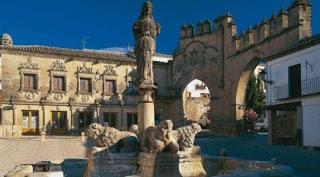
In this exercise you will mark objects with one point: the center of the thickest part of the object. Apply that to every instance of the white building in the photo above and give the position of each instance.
(293, 95)
(197, 88)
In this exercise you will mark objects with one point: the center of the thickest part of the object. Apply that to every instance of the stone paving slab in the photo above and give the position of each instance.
(30, 149)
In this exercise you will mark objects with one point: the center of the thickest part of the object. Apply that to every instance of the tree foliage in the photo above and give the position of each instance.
(255, 98)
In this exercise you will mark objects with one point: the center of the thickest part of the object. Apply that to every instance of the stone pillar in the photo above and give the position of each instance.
(14, 114)
(145, 109)
(145, 32)
(43, 119)
(72, 110)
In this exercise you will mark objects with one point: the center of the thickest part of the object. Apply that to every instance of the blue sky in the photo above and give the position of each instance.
(107, 23)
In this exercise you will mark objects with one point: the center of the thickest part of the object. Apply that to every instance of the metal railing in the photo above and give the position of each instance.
(308, 87)
(311, 86)
(281, 92)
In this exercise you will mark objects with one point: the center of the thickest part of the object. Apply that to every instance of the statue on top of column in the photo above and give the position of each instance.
(145, 32)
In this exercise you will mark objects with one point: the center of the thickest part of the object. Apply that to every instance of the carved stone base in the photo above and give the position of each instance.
(104, 164)
(183, 164)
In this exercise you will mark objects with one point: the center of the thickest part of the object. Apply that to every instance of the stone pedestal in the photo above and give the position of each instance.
(104, 164)
(183, 164)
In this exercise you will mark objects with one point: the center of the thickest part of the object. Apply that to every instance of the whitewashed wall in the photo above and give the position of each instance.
(311, 121)
(277, 70)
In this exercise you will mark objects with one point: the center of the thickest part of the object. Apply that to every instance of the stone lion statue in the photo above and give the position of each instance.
(158, 138)
(185, 136)
(113, 139)
(163, 139)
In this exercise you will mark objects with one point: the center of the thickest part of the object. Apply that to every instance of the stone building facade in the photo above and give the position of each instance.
(63, 90)
(86, 86)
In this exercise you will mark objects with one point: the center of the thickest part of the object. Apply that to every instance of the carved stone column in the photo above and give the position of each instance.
(145, 32)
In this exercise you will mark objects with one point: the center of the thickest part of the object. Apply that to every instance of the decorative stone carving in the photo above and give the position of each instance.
(181, 164)
(98, 80)
(145, 32)
(85, 98)
(132, 75)
(157, 139)
(84, 69)
(185, 136)
(163, 139)
(110, 71)
(29, 96)
(57, 66)
(29, 64)
(112, 139)
(58, 97)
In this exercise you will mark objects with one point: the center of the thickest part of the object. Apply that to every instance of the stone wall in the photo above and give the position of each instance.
(216, 54)
(196, 108)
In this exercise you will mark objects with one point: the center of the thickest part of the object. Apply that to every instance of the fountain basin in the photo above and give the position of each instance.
(233, 167)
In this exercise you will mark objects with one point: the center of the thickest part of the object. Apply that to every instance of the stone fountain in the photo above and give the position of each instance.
(157, 150)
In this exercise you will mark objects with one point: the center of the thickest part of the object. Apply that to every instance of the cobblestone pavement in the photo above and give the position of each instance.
(27, 149)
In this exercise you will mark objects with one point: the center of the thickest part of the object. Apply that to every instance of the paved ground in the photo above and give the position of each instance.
(15, 151)
(306, 163)
(31, 150)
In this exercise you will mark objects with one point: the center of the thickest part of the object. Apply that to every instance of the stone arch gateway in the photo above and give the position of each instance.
(222, 59)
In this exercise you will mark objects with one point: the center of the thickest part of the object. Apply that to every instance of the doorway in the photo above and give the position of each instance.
(295, 81)
(58, 122)
(30, 122)
(84, 120)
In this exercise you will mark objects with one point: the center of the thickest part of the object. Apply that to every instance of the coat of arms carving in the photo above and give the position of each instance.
(57, 66)
(84, 69)
(110, 71)
(29, 64)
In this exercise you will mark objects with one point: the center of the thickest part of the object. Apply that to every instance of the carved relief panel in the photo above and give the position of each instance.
(197, 57)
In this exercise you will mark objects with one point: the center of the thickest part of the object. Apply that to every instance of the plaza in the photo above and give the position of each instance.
(196, 111)
(32, 150)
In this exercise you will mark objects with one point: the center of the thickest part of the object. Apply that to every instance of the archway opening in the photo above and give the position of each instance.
(251, 95)
(196, 103)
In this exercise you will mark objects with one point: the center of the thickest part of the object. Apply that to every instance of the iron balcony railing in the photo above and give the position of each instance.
(311, 86)
(308, 87)
(281, 92)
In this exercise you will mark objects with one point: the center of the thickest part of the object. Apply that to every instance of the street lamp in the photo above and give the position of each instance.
(263, 75)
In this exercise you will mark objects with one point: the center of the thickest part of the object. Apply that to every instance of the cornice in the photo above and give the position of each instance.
(68, 54)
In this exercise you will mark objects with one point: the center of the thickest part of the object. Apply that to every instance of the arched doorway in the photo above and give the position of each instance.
(196, 102)
(251, 87)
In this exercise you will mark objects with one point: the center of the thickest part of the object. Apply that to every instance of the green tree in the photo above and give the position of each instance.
(255, 98)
